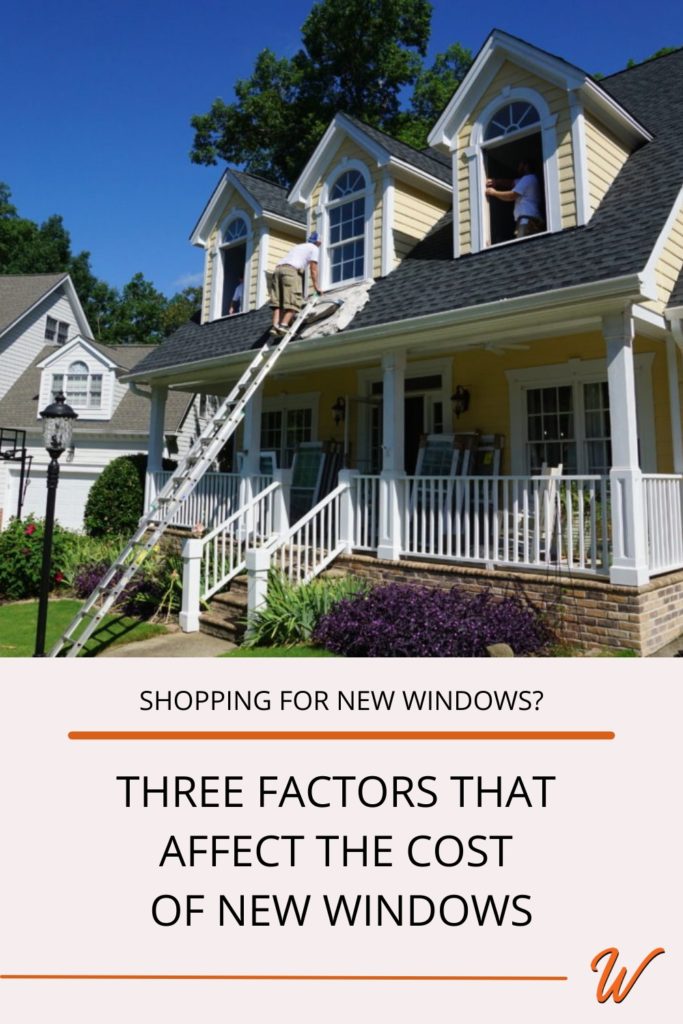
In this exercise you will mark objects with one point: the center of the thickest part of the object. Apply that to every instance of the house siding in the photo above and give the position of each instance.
(415, 214)
(22, 343)
(605, 156)
(668, 266)
(484, 373)
(112, 390)
(513, 77)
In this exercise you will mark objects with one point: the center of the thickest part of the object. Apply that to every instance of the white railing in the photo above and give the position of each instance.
(530, 522)
(224, 548)
(366, 518)
(214, 498)
(306, 548)
(663, 508)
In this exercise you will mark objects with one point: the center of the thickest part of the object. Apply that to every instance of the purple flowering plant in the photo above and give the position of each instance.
(405, 621)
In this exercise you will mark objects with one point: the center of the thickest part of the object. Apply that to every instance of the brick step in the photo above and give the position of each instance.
(222, 627)
(225, 612)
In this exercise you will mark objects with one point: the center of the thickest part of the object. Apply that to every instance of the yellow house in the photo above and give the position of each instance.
(502, 384)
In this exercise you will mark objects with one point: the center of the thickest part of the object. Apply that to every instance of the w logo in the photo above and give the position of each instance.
(615, 989)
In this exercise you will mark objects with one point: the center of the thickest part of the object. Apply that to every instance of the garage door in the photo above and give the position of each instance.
(72, 493)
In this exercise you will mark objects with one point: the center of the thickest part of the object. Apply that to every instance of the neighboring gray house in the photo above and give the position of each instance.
(45, 347)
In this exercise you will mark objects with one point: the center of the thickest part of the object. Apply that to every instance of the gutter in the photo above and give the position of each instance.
(629, 288)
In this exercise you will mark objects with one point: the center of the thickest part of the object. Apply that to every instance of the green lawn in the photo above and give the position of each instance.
(18, 628)
(278, 652)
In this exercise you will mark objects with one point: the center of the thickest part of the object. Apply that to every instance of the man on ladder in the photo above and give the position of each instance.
(287, 284)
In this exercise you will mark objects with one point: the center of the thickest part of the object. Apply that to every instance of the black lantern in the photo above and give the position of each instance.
(339, 410)
(460, 400)
(57, 432)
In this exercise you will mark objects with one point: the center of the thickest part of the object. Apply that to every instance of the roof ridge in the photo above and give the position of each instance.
(636, 67)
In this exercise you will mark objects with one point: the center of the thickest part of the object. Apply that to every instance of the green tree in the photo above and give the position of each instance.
(181, 307)
(357, 56)
(138, 315)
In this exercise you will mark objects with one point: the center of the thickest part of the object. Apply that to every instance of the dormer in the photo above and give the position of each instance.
(371, 198)
(86, 376)
(245, 229)
(520, 104)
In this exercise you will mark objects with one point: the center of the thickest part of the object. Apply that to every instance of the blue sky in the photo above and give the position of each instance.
(98, 100)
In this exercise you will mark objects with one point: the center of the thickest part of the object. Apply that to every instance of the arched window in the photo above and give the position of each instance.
(513, 117)
(82, 389)
(515, 128)
(346, 227)
(233, 260)
(512, 149)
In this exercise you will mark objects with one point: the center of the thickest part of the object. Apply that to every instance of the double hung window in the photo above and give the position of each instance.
(83, 390)
(346, 217)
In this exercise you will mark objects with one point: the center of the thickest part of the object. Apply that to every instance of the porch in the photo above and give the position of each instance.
(539, 535)
(611, 519)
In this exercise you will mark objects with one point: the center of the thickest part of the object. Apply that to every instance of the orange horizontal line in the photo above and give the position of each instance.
(279, 977)
(338, 735)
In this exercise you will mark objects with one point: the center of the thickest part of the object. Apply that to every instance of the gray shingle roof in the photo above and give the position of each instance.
(617, 241)
(20, 292)
(420, 159)
(271, 197)
(19, 407)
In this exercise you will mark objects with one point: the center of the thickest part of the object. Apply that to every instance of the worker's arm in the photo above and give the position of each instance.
(313, 267)
(507, 197)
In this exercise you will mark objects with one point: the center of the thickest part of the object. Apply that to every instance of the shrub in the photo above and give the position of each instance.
(132, 601)
(115, 500)
(403, 621)
(83, 552)
(21, 557)
(292, 611)
(155, 590)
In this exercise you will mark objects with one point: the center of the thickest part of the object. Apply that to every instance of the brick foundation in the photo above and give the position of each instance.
(584, 612)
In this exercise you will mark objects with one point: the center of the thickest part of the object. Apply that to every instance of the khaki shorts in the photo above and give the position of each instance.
(532, 226)
(286, 288)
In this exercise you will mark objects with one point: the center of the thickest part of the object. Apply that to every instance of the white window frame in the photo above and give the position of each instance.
(89, 379)
(477, 172)
(217, 256)
(56, 330)
(576, 373)
(289, 403)
(367, 194)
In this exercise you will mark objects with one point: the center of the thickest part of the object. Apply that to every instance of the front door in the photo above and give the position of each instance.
(414, 428)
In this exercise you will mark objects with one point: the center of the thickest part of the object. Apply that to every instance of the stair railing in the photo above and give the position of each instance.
(305, 549)
(211, 561)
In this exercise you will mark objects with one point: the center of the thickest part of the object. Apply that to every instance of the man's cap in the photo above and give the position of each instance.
(314, 237)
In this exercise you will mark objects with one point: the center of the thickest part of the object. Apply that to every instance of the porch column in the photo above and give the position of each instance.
(629, 544)
(675, 400)
(251, 452)
(155, 450)
(347, 511)
(393, 469)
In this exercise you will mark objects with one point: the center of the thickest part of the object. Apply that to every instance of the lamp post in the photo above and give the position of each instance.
(57, 430)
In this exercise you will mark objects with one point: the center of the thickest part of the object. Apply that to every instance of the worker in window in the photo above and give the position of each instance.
(525, 192)
(287, 283)
(237, 298)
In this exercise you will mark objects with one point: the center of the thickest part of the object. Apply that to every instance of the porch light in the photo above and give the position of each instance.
(460, 399)
(339, 410)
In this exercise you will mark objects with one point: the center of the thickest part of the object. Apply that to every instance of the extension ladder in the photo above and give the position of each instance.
(198, 460)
